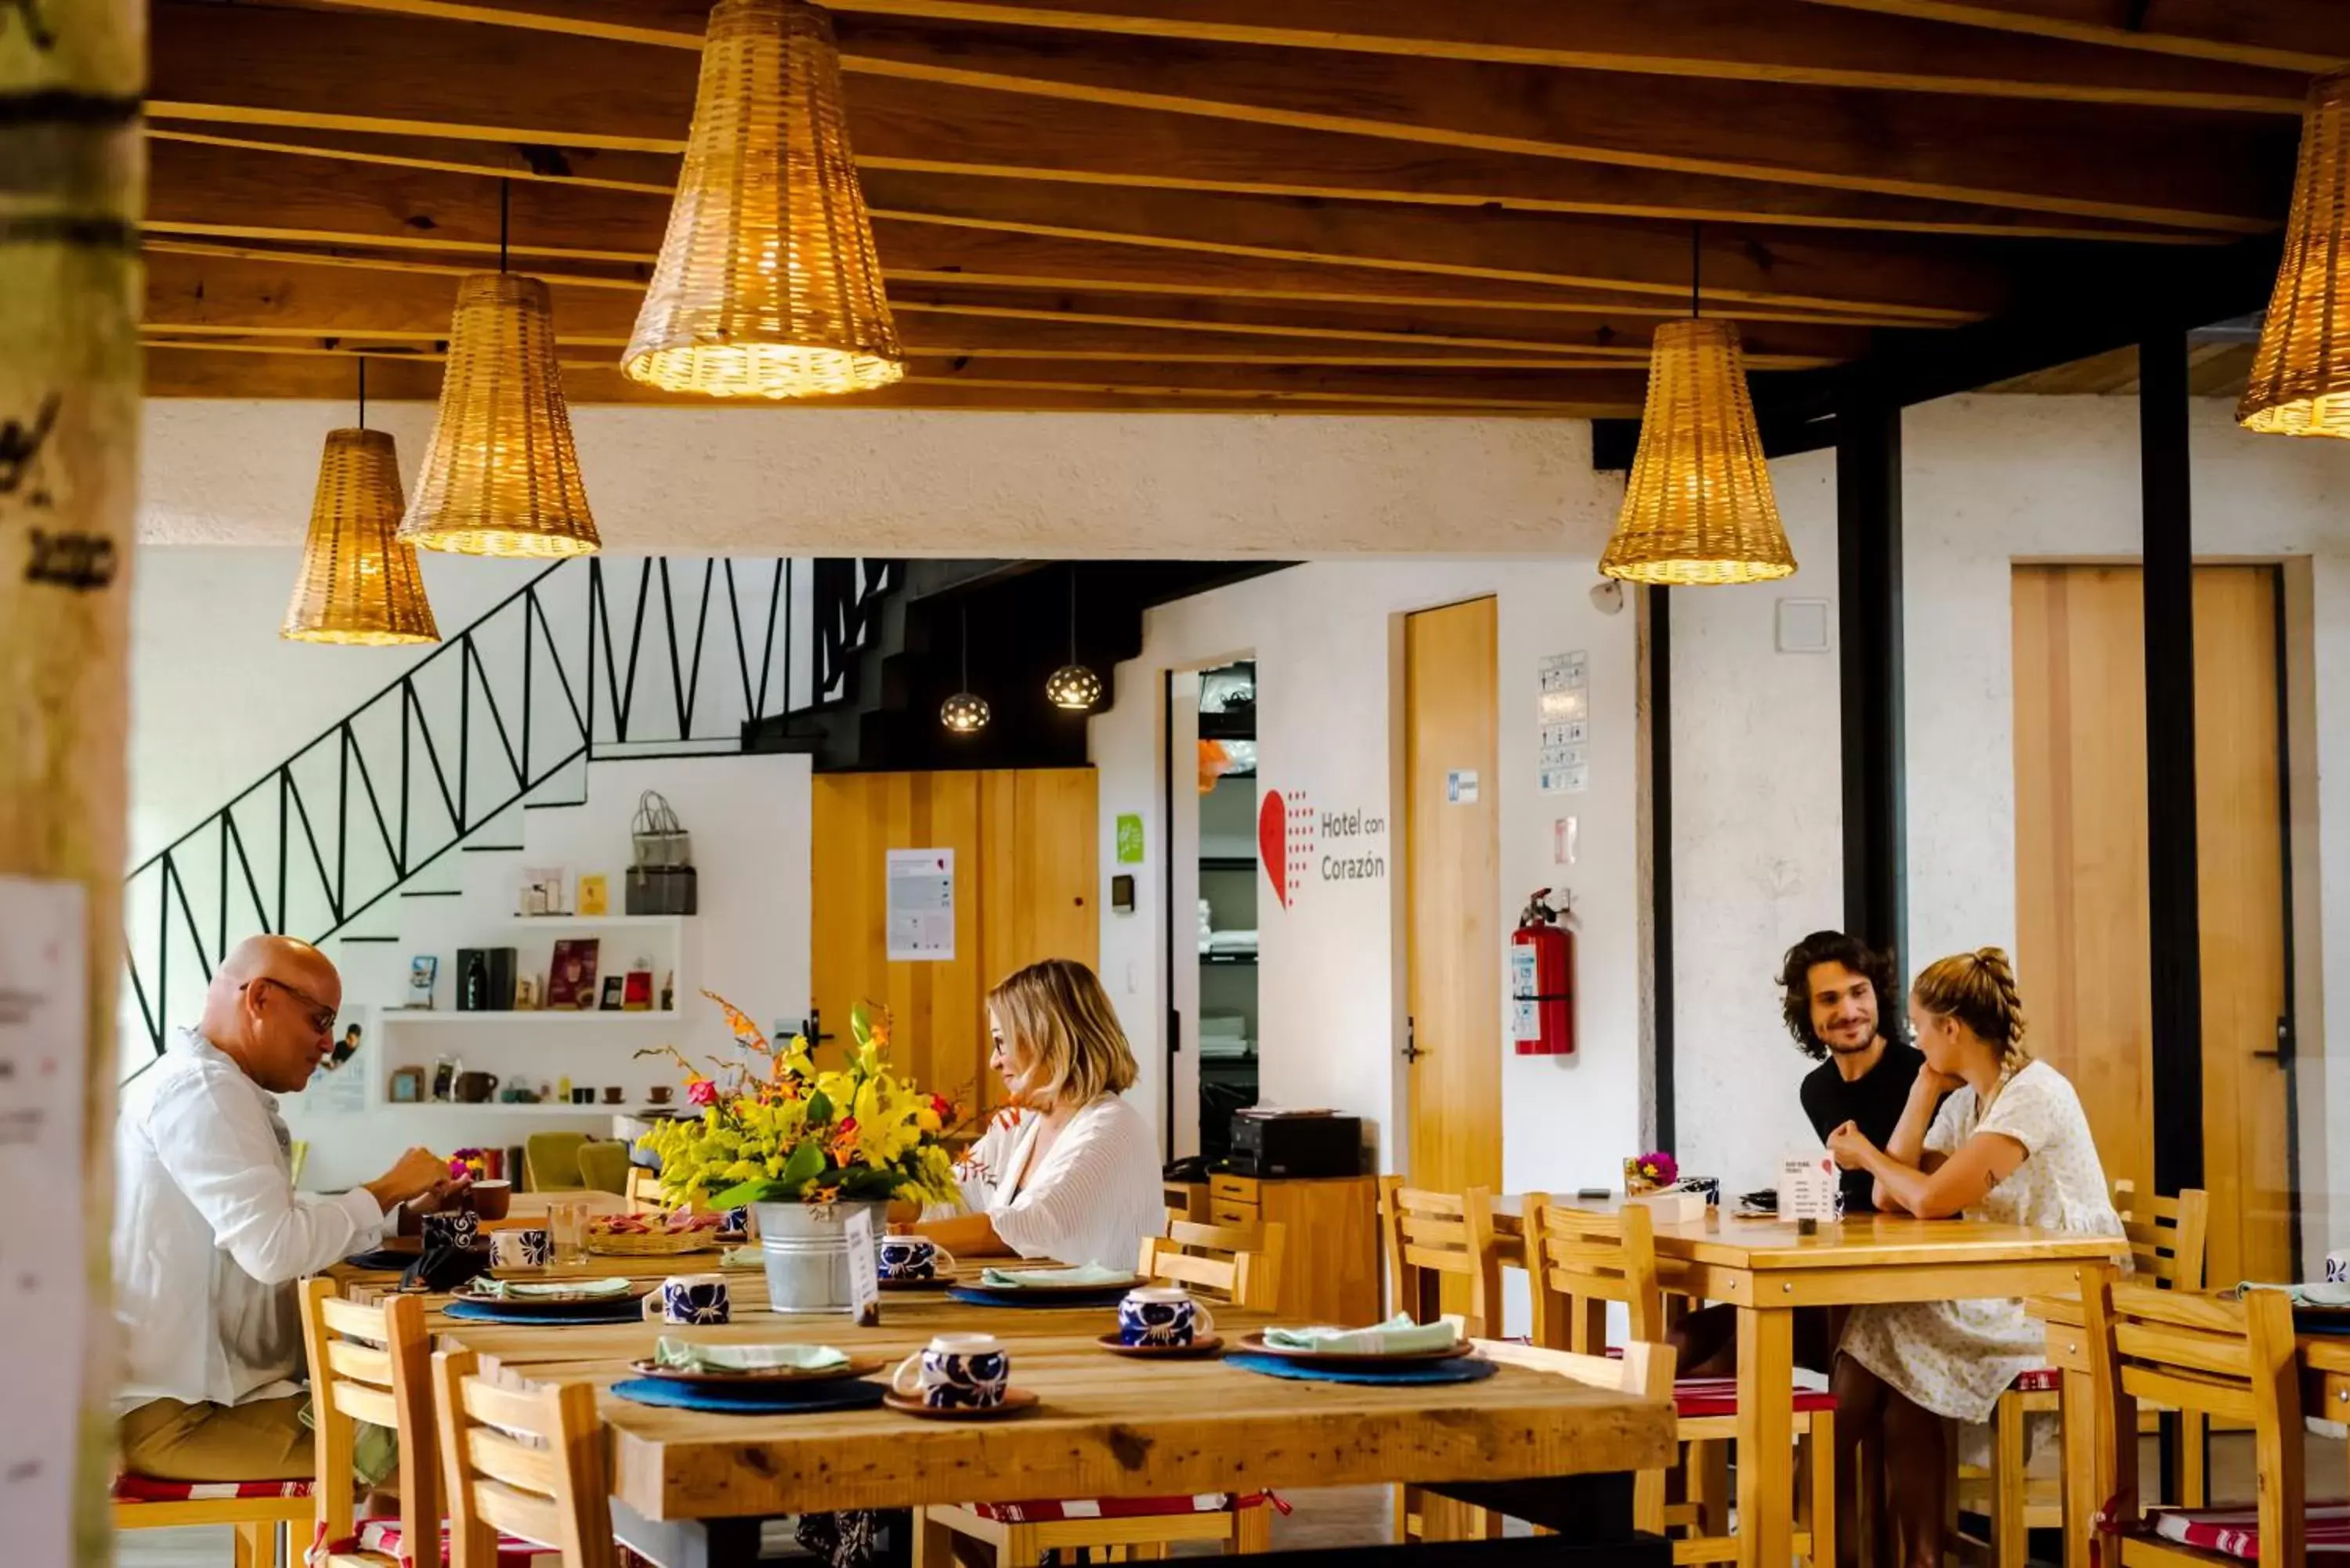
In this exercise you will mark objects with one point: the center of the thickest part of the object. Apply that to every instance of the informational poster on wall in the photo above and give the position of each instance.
(921, 906)
(44, 1295)
(1563, 765)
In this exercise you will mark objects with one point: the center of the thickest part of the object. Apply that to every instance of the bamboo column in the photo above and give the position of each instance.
(72, 187)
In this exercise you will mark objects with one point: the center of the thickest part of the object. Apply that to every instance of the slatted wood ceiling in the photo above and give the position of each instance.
(1476, 206)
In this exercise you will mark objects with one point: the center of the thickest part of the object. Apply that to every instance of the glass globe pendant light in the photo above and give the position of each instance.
(1073, 688)
(965, 712)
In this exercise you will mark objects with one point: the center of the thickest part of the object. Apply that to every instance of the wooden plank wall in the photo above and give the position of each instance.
(1025, 867)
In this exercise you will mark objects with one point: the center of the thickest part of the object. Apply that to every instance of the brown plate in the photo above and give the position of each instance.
(560, 1306)
(1015, 1400)
(1205, 1345)
(855, 1366)
(1254, 1344)
(939, 1282)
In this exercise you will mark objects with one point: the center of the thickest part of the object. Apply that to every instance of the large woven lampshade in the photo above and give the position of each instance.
(501, 477)
(2300, 383)
(1699, 509)
(767, 284)
(359, 584)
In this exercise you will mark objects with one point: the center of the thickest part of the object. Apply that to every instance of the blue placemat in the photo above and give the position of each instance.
(854, 1395)
(2336, 1322)
(973, 1296)
(484, 1311)
(1459, 1369)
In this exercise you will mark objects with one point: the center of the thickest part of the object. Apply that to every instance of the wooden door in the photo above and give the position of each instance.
(1453, 891)
(2081, 860)
(1024, 871)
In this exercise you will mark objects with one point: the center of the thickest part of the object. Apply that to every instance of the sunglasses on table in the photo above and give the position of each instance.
(321, 1016)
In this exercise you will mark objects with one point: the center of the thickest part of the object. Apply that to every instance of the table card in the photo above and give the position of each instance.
(1808, 1187)
(864, 1271)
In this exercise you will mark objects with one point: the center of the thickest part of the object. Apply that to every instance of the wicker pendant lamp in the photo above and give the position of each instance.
(767, 284)
(359, 583)
(1699, 509)
(501, 476)
(2300, 383)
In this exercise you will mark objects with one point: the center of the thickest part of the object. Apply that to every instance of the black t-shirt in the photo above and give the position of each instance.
(1873, 1101)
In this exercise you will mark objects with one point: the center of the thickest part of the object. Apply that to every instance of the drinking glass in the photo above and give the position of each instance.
(566, 1225)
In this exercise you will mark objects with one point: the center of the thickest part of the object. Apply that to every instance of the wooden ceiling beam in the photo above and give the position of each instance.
(2303, 36)
(1730, 40)
(244, 65)
(926, 224)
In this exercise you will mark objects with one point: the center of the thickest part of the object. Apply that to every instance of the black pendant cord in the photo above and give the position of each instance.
(1696, 265)
(966, 647)
(1073, 615)
(505, 205)
(362, 391)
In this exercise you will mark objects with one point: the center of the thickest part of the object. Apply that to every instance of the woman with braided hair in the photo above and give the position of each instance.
(2011, 1146)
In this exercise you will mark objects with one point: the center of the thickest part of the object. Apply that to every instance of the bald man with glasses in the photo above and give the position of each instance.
(210, 1236)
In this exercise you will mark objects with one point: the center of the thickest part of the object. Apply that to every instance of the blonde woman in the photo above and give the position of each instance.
(2010, 1145)
(1076, 1178)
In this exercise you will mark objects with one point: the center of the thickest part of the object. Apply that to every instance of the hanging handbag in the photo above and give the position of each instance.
(661, 881)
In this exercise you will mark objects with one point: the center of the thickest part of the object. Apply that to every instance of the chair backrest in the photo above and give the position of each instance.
(550, 1161)
(2167, 1236)
(370, 1364)
(2233, 1360)
(523, 1459)
(1430, 1235)
(604, 1166)
(1238, 1264)
(1580, 1260)
(1643, 1370)
(645, 1191)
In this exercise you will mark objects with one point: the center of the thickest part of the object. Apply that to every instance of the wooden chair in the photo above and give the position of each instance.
(644, 1192)
(259, 1513)
(1580, 1261)
(1430, 1237)
(2222, 1360)
(521, 1463)
(1643, 1370)
(1241, 1265)
(1236, 1263)
(368, 1364)
(550, 1161)
(604, 1166)
(2167, 1238)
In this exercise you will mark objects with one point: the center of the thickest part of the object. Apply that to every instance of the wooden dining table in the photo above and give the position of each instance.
(1767, 1268)
(691, 1488)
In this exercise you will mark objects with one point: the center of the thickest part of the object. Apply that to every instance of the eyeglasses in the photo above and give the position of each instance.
(322, 1017)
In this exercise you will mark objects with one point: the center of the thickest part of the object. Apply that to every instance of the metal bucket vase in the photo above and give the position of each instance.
(805, 1246)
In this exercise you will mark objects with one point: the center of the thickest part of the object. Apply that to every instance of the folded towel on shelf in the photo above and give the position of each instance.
(682, 1356)
(1084, 1275)
(1399, 1335)
(518, 1290)
(1231, 942)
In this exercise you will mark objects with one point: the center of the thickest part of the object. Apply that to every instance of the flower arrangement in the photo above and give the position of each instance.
(775, 1129)
(1648, 1172)
(472, 1162)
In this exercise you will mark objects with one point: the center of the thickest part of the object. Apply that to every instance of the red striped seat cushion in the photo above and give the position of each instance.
(2235, 1531)
(382, 1537)
(2038, 1380)
(1696, 1397)
(147, 1489)
(1049, 1511)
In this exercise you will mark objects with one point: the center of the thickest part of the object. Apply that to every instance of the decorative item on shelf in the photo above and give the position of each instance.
(767, 284)
(1699, 509)
(638, 995)
(563, 1088)
(474, 1088)
(423, 973)
(965, 712)
(668, 992)
(525, 995)
(1648, 1172)
(445, 1076)
(501, 476)
(806, 1147)
(2299, 383)
(407, 1086)
(613, 991)
(595, 894)
(660, 879)
(347, 1047)
(541, 891)
(474, 981)
(659, 1095)
(1073, 688)
(614, 1095)
(571, 982)
(583, 1096)
(359, 583)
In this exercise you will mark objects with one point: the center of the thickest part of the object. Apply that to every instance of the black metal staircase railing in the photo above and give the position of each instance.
(560, 672)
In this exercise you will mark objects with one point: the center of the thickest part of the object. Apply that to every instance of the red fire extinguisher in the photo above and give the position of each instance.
(1542, 980)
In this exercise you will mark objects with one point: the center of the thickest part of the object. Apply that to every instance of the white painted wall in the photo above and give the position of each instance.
(833, 481)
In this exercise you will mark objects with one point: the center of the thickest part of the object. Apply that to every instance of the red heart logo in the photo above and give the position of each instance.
(1273, 843)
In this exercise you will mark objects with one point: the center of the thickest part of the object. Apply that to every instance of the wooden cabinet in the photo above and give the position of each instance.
(1330, 1251)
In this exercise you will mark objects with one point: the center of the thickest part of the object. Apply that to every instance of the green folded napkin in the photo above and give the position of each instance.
(518, 1290)
(1083, 1274)
(680, 1355)
(2334, 1294)
(1397, 1336)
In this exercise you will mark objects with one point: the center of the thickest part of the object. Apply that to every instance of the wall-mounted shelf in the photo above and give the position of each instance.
(591, 922)
(567, 1019)
(1220, 960)
(1227, 862)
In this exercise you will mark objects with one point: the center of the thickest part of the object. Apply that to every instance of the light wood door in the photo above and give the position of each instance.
(1026, 865)
(1453, 892)
(2080, 877)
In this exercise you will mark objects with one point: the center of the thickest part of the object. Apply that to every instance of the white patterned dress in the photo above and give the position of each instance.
(1955, 1358)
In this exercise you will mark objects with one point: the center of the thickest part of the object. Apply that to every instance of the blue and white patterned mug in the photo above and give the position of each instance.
(524, 1247)
(1162, 1315)
(912, 1258)
(736, 1220)
(2337, 1268)
(693, 1299)
(460, 1227)
(956, 1372)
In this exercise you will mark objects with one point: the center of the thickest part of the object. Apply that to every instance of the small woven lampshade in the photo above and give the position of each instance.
(767, 284)
(2300, 383)
(359, 584)
(1699, 509)
(501, 477)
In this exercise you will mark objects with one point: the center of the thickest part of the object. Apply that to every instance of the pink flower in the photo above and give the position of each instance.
(1660, 1167)
(701, 1092)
